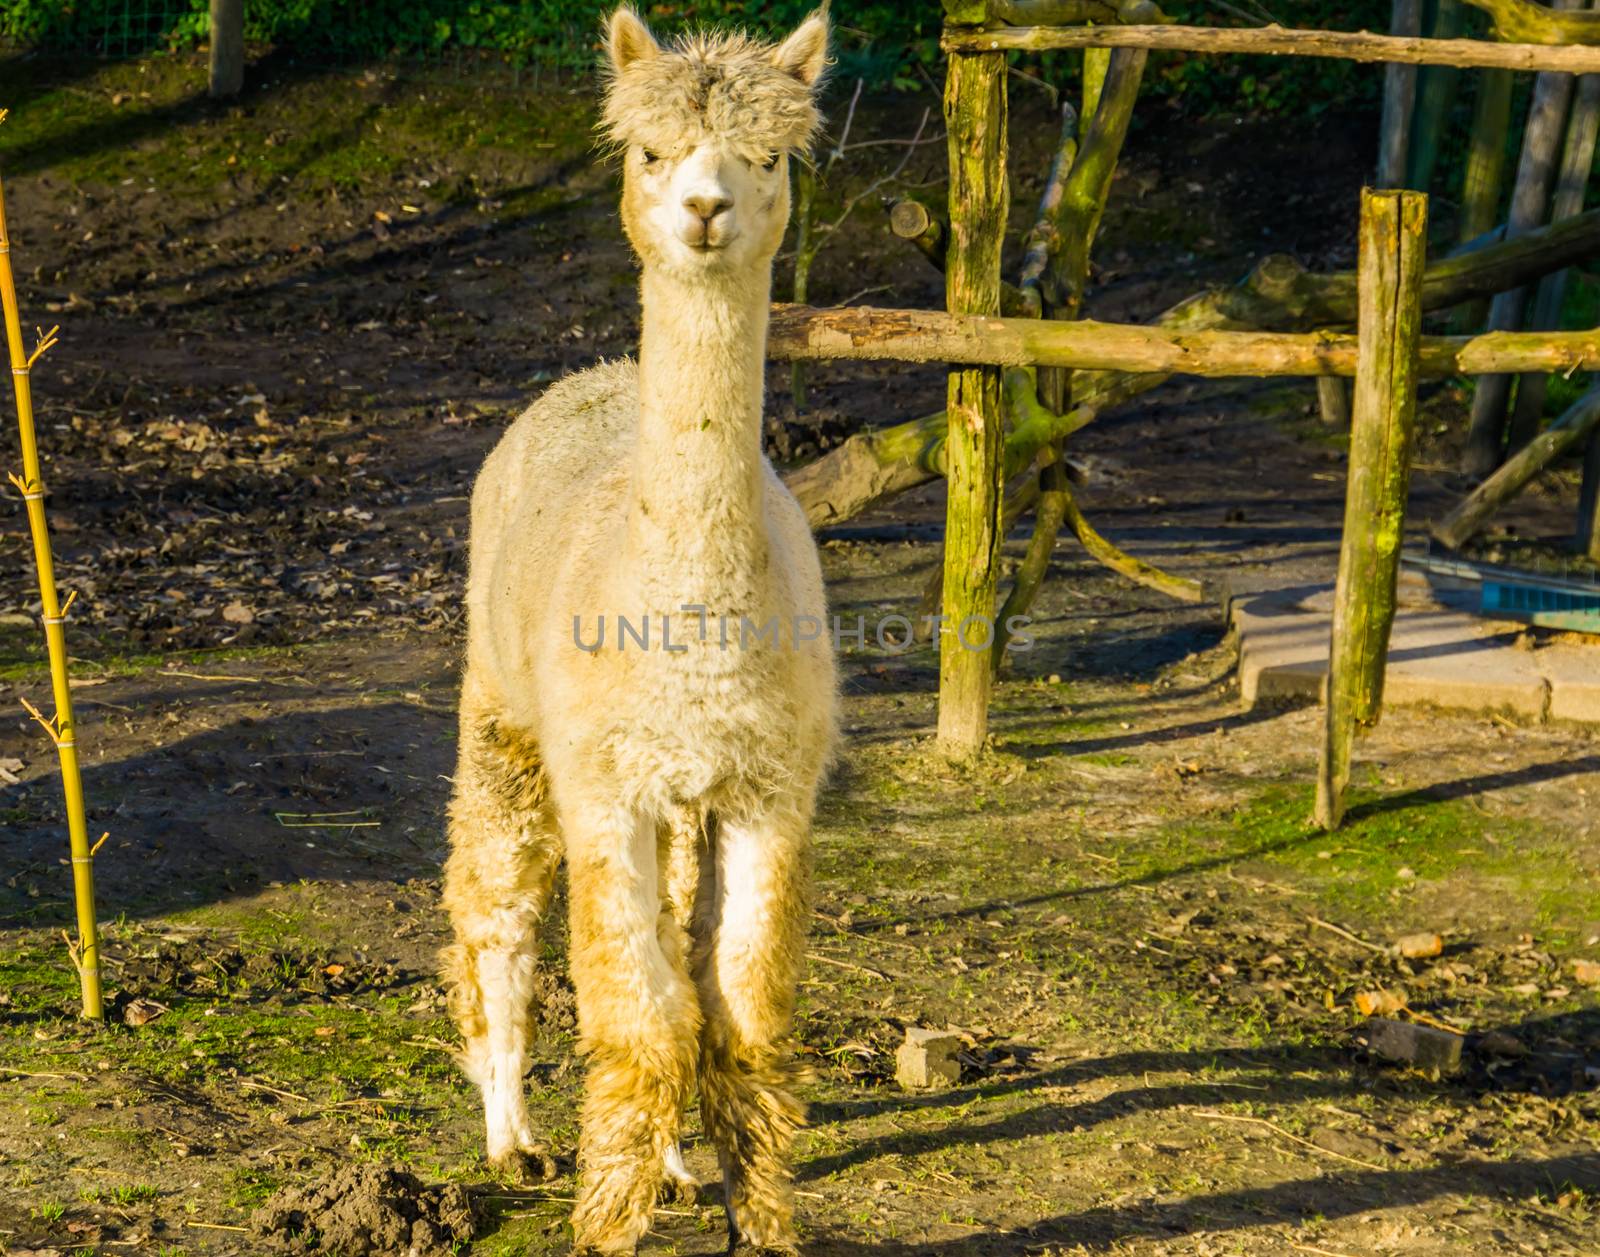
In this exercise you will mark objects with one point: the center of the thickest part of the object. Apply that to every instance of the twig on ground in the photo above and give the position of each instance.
(1344, 933)
(1214, 1116)
(845, 964)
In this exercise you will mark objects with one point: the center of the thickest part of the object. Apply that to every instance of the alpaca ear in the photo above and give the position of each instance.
(805, 53)
(628, 40)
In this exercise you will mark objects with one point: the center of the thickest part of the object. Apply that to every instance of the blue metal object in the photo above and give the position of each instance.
(1550, 603)
(1517, 594)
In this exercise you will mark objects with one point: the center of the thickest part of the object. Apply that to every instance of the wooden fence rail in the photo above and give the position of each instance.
(867, 332)
(1282, 41)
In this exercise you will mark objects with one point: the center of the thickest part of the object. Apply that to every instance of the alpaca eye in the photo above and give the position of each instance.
(650, 158)
(770, 162)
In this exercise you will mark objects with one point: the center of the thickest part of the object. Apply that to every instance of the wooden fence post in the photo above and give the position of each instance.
(1588, 532)
(1394, 227)
(1399, 101)
(1530, 207)
(975, 118)
(227, 47)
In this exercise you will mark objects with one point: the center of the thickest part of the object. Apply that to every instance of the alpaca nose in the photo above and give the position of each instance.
(707, 205)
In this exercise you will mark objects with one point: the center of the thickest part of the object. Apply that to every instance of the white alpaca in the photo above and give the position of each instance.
(679, 779)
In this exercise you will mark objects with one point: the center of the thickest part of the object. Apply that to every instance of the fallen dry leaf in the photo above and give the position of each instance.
(1587, 972)
(1380, 1003)
(1419, 946)
(142, 1011)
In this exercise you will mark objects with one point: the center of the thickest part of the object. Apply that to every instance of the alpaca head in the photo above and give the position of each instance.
(706, 127)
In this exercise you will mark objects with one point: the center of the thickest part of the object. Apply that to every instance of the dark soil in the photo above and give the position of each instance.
(292, 329)
(362, 1209)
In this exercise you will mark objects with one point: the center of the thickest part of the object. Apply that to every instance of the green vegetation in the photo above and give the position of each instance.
(888, 45)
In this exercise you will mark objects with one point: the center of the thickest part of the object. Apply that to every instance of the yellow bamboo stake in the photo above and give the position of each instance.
(61, 727)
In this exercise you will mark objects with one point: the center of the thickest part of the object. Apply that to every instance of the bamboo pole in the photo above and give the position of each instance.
(1577, 161)
(975, 121)
(1399, 100)
(1572, 430)
(870, 333)
(1282, 41)
(1485, 174)
(1393, 243)
(61, 727)
(1530, 204)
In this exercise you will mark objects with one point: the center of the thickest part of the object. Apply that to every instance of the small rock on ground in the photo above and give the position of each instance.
(927, 1058)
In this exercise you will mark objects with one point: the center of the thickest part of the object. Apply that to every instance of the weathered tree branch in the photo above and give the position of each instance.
(925, 227)
(1136, 570)
(1089, 183)
(1566, 433)
(1044, 238)
(882, 462)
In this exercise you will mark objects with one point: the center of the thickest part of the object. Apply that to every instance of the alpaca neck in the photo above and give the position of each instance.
(698, 469)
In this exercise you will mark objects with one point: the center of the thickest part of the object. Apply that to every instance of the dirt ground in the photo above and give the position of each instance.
(291, 330)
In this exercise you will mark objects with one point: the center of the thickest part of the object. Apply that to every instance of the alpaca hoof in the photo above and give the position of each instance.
(528, 1166)
(683, 1192)
(740, 1246)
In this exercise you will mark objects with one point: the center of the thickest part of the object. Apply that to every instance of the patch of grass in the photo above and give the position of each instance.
(331, 131)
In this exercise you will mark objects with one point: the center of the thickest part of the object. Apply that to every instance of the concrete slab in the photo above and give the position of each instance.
(1574, 672)
(1439, 655)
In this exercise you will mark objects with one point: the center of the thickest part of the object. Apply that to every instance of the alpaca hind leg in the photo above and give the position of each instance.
(747, 977)
(639, 1022)
(497, 885)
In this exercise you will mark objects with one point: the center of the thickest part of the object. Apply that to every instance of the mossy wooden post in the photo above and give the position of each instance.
(1437, 86)
(1394, 228)
(975, 118)
(1485, 174)
(1588, 532)
(227, 48)
(1530, 206)
(61, 727)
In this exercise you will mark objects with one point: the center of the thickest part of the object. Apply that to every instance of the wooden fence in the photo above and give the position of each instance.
(1385, 356)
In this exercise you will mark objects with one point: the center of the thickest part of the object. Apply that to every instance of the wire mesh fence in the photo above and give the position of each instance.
(517, 43)
(441, 34)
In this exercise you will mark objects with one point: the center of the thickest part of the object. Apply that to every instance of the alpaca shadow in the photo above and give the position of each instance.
(1280, 1075)
(222, 813)
(1338, 1194)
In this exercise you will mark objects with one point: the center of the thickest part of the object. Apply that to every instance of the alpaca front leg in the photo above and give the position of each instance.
(639, 1022)
(747, 978)
(497, 885)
